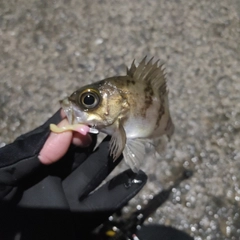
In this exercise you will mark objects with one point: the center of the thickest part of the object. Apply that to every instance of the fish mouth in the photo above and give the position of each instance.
(67, 108)
(75, 115)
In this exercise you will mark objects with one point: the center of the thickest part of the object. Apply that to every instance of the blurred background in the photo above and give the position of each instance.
(48, 49)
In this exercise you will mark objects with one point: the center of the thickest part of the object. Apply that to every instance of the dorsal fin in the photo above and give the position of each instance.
(150, 72)
(132, 69)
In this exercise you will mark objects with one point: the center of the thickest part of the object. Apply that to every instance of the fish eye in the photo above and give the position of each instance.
(89, 99)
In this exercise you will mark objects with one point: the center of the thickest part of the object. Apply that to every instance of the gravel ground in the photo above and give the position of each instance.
(50, 48)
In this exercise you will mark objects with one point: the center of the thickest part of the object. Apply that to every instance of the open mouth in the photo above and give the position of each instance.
(74, 117)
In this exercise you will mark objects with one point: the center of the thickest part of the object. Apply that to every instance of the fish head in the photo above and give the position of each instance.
(98, 105)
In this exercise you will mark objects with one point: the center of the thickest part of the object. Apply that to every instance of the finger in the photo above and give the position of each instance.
(90, 173)
(115, 193)
(79, 139)
(56, 145)
(111, 197)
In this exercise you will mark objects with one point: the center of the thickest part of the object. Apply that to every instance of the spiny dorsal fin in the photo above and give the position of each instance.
(150, 72)
(132, 69)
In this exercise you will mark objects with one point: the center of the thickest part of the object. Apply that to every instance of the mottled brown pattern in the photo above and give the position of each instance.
(169, 124)
(148, 94)
(160, 113)
(119, 81)
(169, 129)
(130, 81)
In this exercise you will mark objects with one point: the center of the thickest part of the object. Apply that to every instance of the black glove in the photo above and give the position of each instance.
(56, 201)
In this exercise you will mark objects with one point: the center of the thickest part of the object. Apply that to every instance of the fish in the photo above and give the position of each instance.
(133, 109)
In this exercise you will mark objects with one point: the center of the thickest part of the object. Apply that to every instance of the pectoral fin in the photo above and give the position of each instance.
(117, 142)
(134, 153)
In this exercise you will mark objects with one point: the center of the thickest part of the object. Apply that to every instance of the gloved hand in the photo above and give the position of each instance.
(56, 201)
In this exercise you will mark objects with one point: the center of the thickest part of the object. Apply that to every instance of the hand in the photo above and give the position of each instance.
(57, 144)
(54, 201)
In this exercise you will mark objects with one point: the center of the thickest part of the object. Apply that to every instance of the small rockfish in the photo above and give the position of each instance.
(133, 109)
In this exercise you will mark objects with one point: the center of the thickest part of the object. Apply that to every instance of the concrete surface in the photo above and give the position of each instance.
(50, 48)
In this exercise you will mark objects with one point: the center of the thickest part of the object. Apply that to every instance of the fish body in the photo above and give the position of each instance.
(133, 109)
